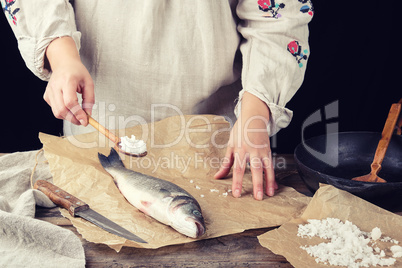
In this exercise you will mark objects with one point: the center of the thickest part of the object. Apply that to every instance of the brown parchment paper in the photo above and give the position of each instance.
(330, 202)
(185, 150)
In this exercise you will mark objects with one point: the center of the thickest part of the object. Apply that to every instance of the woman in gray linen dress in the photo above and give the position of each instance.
(147, 60)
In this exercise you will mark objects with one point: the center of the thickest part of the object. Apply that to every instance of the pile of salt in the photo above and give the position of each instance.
(348, 245)
(132, 145)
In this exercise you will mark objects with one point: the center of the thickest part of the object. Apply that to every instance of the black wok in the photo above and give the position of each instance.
(337, 162)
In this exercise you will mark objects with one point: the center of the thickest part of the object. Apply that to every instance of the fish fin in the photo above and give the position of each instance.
(146, 203)
(145, 207)
(111, 161)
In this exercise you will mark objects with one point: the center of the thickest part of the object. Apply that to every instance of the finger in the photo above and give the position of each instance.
(226, 165)
(71, 102)
(88, 95)
(55, 100)
(256, 167)
(269, 176)
(239, 166)
(46, 97)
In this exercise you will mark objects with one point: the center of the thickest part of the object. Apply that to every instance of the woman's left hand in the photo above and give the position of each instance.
(249, 143)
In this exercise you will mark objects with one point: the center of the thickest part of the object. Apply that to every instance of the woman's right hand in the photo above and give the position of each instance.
(69, 77)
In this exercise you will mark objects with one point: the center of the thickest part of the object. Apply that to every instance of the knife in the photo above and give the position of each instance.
(77, 207)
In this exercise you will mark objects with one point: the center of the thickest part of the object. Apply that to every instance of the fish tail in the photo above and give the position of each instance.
(111, 161)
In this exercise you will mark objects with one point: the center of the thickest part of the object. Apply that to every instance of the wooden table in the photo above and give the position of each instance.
(238, 250)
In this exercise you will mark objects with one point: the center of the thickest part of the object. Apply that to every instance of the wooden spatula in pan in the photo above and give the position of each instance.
(382, 146)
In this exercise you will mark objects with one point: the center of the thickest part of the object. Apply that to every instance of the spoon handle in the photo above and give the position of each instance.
(399, 123)
(103, 130)
(385, 137)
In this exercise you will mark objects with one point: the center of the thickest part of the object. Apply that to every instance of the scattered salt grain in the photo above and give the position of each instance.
(396, 251)
(225, 194)
(348, 245)
(197, 187)
(214, 191)
(382, 253)
(375, 233)
(202, 196)
(191, 181)
(389, 239)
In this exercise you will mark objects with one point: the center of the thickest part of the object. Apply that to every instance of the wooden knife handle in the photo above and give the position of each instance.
(61, 197)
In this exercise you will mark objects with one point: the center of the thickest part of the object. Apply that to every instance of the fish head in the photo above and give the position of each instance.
(186, 216)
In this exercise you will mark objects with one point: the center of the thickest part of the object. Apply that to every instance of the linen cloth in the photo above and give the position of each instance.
(153, 59)
(25, 241)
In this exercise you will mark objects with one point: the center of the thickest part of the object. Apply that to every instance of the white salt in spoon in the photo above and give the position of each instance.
(116, 140)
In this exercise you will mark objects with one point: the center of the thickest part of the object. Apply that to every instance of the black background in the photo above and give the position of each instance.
(354, 59)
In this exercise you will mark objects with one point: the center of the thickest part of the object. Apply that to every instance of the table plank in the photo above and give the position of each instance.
(240, 250)
(234, 250)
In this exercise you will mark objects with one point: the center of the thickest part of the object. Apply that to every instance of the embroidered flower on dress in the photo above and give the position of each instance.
(7, 9)
(309, 9)
(271, 7)
(296, 50)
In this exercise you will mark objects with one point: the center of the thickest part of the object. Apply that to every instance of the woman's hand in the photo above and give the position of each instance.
(69, 77)
(249, 143)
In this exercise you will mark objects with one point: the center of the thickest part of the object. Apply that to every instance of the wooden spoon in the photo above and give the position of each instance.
(112, 137)
(399, 123)
(382, 146)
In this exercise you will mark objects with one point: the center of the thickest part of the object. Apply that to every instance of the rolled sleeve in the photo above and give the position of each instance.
(275, 51)
(37, 23)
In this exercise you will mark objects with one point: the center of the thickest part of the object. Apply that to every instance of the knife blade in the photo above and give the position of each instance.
(77, 207)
